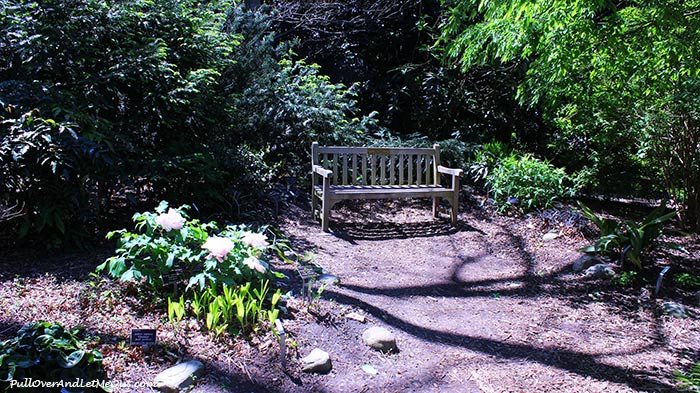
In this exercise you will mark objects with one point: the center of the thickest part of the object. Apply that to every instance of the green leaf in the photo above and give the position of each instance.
(72, 360)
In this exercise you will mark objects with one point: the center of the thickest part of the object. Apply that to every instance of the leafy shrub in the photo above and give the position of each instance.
(48, 352)
(137, 87)
(629, 238)
(216, 268)
(169, 247)
(485, 160)
(41, 166)
(528, 182)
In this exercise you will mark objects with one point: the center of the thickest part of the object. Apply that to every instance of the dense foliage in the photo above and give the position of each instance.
(108, 105)
(386, 49)
(614, 80)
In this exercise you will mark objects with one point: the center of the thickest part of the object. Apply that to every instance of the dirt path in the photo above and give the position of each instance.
(486, 307)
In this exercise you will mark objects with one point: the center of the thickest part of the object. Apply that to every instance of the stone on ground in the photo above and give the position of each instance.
(328, 279)
(600, 270)
(379, 338)
(550, 236)
(674, 309)
(697, 297)
(318, 361)
(355, 317)
(178, 377)
(584, 262)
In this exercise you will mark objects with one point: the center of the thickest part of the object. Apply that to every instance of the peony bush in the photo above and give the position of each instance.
(215, 268)
(172, 253)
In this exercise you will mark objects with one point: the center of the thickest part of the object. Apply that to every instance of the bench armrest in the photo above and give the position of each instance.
(321, 171)
(449, 171)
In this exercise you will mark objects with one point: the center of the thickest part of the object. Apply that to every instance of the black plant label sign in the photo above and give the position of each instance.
(143, 337)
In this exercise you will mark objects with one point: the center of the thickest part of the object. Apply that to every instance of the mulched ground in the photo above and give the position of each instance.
(488, 306)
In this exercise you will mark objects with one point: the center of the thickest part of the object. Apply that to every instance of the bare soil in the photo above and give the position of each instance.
(488, 306)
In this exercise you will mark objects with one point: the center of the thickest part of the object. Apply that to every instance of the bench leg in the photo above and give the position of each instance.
(326, 215)
(436, 201)
(455, 206)
(314, 205)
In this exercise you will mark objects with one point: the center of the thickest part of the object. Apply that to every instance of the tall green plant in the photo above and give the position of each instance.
(630, 240)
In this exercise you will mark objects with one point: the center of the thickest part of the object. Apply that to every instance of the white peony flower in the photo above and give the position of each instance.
(257, 240)
(170, 220)
(218, 247)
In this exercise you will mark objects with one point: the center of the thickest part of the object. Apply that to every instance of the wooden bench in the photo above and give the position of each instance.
(340, 173)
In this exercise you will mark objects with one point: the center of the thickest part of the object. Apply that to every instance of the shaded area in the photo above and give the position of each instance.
(35, 262)
(378, 231)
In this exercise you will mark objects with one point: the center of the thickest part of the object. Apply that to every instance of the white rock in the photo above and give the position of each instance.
(379, 338)
(178, 377)
(369, 369)
(318, 361)
(355, 316)
(550, 236)
(328, 279)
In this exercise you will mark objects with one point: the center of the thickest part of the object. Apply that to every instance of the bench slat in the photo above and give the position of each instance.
(392, 171)
(354, 169)
(364, 169)
(382, 169)
(345, 169)
(335, 168)
(419, 170)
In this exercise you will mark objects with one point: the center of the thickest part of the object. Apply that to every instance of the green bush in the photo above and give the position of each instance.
(532, 182)
(43, 165)
(486, 158)
(48, 352)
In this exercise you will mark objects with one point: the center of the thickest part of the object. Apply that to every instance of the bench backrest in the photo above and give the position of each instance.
(378, 166)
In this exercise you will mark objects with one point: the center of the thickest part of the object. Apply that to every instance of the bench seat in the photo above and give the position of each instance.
(383, 192)
(343, 173)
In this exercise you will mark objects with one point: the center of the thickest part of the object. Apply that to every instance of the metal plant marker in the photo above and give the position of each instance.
(658, 281)
(283, 344)
(308, 276)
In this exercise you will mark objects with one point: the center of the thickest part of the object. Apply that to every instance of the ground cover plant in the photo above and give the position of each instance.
(48, 352)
